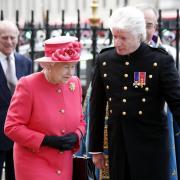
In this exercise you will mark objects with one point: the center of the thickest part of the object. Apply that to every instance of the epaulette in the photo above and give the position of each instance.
(161, 49)
(106, 49)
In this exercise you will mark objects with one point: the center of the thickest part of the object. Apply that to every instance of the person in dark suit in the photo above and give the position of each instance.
(151, 19)
(12, 66)
(135, 80)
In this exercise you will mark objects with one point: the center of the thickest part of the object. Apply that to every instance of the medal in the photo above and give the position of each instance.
(139, 79)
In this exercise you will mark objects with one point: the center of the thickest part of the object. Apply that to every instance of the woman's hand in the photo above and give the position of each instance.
(62, 143)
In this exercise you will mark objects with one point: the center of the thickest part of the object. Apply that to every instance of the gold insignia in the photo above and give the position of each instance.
(72, 86)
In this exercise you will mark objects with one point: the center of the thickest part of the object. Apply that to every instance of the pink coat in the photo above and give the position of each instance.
(39, 108)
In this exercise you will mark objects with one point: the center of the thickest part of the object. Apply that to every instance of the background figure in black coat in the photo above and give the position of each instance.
(151, 19)
(136, 80)
(20, 66)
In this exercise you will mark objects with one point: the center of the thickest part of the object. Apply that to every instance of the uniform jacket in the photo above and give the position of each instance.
(39, 108)
(23, 68)
(135, 87)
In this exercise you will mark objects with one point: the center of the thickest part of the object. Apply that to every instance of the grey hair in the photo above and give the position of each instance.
(6, 24)
(143, 7)
(46, 65)
(130, 19)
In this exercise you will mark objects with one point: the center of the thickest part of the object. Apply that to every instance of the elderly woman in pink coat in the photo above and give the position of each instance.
(45, 118)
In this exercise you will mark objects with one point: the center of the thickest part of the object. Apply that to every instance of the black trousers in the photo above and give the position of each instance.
(7, 157)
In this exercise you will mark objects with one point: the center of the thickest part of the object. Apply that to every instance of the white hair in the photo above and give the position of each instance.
(130, 19)
(6, 24)
(46, 65)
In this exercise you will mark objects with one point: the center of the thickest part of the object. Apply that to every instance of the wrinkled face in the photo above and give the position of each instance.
(125, 42)
(62, 72)
(151, 24)
(8, 40)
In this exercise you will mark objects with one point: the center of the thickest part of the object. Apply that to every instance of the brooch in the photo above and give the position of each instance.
(139, 79)
(72, 86)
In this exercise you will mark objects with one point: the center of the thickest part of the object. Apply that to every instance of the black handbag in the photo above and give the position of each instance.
(83, 167)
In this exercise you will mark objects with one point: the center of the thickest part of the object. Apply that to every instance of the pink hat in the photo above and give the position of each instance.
(61, 49)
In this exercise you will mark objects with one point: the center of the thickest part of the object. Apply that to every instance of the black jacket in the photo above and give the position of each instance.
(137, 124)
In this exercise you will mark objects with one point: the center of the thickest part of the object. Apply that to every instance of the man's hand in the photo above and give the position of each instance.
(99, 160)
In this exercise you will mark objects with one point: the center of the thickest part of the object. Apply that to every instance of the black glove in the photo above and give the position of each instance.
(61, 143)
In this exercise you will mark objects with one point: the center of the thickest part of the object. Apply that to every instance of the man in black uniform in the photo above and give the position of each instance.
(136, 80)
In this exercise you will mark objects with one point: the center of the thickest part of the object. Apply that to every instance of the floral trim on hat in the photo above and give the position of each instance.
(72, 52)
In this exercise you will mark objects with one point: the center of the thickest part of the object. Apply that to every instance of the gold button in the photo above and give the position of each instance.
(110, 111)
(150, 76)
(58, 172)
(140, 112)
(126, 75)
(110, 99)
(104, 63)
(62, 111)
(107, 87)
(124, 101)
(105, 75)
(125, 88)
(124, 113)
(143, 99)
(127, 63)
(155, 64)
(146, 89)
(61, 152)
